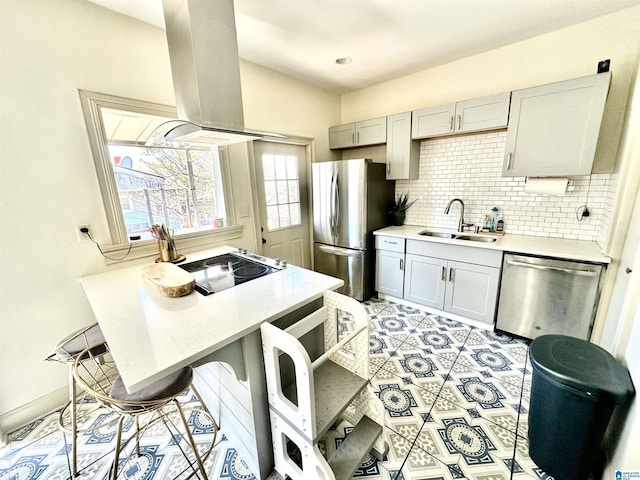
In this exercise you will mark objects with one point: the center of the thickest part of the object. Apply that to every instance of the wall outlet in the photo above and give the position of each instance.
(81, 235)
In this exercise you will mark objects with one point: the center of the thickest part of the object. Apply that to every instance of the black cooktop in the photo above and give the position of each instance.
(224, 271)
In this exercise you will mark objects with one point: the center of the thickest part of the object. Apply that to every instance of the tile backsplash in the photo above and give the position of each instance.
(470, 168)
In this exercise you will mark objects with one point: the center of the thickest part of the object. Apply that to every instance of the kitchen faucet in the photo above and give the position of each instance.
(461, 223)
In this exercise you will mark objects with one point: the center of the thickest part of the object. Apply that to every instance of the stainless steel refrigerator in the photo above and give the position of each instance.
(351, 199)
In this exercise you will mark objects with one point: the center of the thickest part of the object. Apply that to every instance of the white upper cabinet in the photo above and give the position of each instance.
(553, 129)
(342, 136)
(403, 153)
(358, 134)
(433, 121)
(485, 113)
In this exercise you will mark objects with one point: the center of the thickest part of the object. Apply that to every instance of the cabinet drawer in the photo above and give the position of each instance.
(478, 256)
(393, 244)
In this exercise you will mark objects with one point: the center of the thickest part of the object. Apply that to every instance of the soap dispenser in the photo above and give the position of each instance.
(494, 218)
(494, 214)
(500, 224)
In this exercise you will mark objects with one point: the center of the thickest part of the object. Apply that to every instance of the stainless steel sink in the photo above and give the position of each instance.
(475, 238)
(428, 233)
(457, 236)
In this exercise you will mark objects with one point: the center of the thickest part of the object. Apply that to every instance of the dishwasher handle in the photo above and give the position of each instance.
(570, 271)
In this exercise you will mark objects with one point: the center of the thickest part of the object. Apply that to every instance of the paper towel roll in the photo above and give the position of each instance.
(547, 185)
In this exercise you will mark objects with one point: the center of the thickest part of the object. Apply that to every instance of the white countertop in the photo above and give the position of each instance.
(151, 335)
(551, 247)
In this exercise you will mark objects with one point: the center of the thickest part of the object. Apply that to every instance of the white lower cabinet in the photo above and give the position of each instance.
(424, 280)
(457, 279)
(462, 288)
(472, 291)
(390, 272)
(390, 265)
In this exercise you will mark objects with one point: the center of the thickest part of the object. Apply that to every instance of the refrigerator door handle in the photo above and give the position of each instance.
(337, 207)
(342, 252)
(332, 213)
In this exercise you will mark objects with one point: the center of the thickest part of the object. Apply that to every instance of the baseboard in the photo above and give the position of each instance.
(435, 311)
(19, 417)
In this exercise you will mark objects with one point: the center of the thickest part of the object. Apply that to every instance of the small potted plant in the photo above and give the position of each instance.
(399, 208)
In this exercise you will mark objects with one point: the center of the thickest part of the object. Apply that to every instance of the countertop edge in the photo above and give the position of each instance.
(580, 250)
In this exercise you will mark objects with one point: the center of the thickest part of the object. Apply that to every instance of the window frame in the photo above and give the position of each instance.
(91, 103)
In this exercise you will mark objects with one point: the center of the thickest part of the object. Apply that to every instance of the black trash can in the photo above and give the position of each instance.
(575, 388)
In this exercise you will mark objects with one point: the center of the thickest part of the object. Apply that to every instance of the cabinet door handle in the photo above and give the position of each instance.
(357, 138)
(459, 122)
(353, 138)
(509, 161)
(451, 275)
(451, 124)
(444, 274)
(390, 243)
(401, 264)
(388, 168)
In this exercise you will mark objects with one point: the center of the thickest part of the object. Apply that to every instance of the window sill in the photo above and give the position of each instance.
(187, 242)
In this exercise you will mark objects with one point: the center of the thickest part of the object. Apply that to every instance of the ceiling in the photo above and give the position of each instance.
(385, 38)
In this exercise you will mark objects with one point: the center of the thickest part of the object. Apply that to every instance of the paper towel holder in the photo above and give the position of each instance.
(569, 182)
(547, 185)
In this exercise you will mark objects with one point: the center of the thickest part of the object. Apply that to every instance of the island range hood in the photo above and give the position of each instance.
(205, 67)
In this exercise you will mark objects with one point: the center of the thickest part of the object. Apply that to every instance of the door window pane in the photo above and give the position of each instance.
(282, 191)
(273, 222)
(270, 192)
(294, 191)
(292, 166)
(268, 167)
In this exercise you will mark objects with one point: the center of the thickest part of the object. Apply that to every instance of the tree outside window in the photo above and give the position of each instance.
(174, 187)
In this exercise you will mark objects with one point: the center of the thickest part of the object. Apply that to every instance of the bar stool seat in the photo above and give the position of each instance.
(66, 351)
(168, 387)
(70, 346)
(157, 403)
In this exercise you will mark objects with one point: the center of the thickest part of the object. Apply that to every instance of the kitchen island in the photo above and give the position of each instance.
(151, 336)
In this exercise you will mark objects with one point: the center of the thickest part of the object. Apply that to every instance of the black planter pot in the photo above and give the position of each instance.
(397, 218)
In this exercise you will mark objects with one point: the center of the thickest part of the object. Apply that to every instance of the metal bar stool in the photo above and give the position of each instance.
(66, 352)
(157, 403)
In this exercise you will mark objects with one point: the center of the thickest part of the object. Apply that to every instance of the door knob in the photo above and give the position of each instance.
(628, 270)
(264, 240)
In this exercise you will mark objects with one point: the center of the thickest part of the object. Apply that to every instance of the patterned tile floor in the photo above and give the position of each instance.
(456, 401)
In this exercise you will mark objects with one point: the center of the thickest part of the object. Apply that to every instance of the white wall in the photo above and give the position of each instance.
(49, 50)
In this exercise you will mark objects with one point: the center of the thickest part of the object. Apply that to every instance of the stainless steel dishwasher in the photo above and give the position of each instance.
(540, 295)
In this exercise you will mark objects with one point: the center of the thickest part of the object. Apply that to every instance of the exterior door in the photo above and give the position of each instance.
(283, 193)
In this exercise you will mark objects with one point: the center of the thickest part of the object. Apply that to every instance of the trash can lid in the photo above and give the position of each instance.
(581, 365)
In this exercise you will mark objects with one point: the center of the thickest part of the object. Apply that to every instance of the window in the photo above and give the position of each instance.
(174, 187)
(282, 191)
(145, 181)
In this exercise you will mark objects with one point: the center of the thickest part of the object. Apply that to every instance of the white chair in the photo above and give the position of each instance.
(331, 387)
(156, 404)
